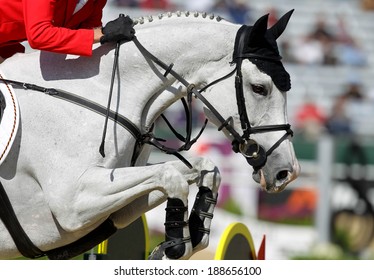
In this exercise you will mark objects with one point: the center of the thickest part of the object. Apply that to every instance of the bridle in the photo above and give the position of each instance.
(254, 153)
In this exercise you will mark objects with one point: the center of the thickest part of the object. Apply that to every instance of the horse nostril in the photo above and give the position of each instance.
(282, 175)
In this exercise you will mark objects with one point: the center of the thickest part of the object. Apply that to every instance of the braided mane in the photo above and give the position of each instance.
(178, 14)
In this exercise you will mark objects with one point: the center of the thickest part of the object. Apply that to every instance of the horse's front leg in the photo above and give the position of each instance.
(202, 211)
(206, 175)
(177, 244)
(102, 193)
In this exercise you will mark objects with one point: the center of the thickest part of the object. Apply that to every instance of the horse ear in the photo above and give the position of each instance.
(278, 28)
(259, 29)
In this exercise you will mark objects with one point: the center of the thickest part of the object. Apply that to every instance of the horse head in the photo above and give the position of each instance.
(258, 125)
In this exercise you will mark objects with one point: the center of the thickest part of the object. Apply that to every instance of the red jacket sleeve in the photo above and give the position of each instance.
(44, 35)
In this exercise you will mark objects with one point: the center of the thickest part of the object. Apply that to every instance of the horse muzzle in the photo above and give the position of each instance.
(275, 181)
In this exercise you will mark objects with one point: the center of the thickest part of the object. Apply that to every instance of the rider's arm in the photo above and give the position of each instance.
(43, 34)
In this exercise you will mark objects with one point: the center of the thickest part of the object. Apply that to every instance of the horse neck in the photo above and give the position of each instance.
(199, 49)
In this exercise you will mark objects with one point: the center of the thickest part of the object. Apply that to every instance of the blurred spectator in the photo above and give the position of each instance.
(237, 11)
(155, 4)
(318, 46)
(349, 51)
(351, 54)
(321, 30)
(310, 120)
(308, 51)
(324, 47)
(273, 16)
(322, 35)
(127, 3)
(341, 118)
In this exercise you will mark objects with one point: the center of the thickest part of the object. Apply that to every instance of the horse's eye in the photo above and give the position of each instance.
(259, 89)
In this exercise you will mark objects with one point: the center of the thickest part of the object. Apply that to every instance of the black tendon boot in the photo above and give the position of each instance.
(174, 245)
(200, 212)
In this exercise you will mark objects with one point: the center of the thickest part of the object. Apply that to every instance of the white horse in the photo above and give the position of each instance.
(63, 192)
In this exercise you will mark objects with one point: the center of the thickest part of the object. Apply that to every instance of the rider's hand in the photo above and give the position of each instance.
(120, 29)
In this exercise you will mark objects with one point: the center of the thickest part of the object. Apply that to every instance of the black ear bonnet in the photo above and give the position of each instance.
(258, 44)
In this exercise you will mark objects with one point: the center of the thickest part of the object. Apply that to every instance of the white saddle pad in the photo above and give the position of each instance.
(10, 120)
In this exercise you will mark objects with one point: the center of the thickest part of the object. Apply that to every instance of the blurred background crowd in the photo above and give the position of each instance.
(328, 49)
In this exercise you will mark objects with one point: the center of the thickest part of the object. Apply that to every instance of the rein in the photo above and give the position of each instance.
(115, 66)
(191, 90)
